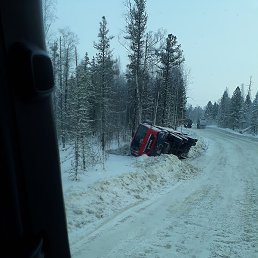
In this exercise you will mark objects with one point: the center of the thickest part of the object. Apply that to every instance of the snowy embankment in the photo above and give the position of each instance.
(125, 182)
(241, 133)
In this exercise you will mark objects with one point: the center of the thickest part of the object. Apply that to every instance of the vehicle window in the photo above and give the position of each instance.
(191, 66)
(139, 136)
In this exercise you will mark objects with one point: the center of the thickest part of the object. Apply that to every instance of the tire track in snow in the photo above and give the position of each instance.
(214, 214)
(238, 234)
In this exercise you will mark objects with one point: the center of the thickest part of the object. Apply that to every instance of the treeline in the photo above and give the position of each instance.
(238, 112)
(96, 102)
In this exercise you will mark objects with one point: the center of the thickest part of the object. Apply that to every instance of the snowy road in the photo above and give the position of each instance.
(212, 215)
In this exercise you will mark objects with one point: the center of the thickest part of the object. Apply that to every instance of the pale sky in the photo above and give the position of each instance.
(219, 37)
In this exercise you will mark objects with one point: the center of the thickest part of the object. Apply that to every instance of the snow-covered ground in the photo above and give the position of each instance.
(204, 206)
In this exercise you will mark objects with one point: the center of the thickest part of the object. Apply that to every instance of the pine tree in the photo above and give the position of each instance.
(66, 64)
(224, 111)
(208, 113)
(104, 81)
(235, 109)
(171, 56)
(136, 21)
(215, 112)
(247, 111)
(254, 116)
(84, 154)
(179, 82)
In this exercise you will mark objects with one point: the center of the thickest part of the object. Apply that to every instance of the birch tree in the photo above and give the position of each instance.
(67, 44)
(48, 11)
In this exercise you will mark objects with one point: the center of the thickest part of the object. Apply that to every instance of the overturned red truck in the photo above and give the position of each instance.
(155, 140)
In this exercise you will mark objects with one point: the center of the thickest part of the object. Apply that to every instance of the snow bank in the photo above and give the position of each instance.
(126, 181)
(200, 147)
(237, 132)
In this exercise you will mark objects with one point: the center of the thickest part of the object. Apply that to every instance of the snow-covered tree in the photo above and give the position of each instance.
(254, 116)
(248, 104)
(84, 154)
(67, 44)
(136, 21)
(103, 82)
(194, 113)
(179, 79)
(48, 11)
(236, 109)
(215, 111)
(150, 69)
(208, 113)
(171, 56)
(246, 112)
(118, 106)
(62, 53)
(224, 110)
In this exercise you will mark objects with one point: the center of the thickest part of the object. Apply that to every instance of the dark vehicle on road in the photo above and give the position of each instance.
(188, 123)
(154, 140)
(201, 124)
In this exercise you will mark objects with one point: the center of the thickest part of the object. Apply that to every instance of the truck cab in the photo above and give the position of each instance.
(201, 124)
(154, 140)
(144, 140)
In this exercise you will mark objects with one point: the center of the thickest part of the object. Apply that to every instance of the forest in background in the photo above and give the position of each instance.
(96, 102)
(237, 112)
